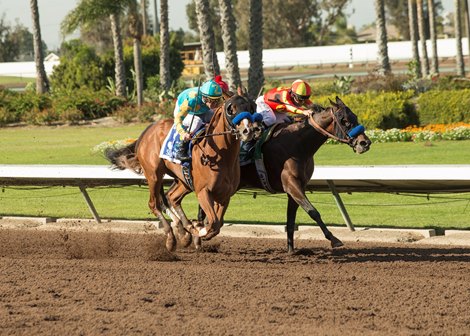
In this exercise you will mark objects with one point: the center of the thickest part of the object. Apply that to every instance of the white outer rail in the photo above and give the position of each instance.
(393, 178)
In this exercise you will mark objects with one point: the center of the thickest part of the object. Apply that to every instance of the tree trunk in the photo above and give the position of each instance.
(227, 21)
(255, 72)
(458, 39)
(206, 35)
(422, 38)
(136, 31)
(467, 25)
(42, 83)
(119, 72)
(414, 37)
(139, 75)
(432, 30)
(381, 39)
(156, 24)
(165, 81)
(143, 5)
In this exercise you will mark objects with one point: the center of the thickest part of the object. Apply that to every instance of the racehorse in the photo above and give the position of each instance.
(215, 168)
(288, 158)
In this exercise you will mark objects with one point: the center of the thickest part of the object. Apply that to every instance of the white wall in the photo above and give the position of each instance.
(366, 52)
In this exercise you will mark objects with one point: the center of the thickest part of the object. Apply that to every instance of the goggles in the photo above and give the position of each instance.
(206, 100)
(301, 98)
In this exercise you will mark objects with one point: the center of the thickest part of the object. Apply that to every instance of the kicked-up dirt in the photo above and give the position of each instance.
(64, 282)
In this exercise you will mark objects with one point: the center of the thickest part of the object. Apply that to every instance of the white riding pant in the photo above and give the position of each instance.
(269, 116)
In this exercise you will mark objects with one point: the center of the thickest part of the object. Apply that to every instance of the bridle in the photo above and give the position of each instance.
(230, 121)
(346, 137)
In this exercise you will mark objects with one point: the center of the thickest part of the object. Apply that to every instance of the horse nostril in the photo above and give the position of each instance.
(364, 143)
(245, 131)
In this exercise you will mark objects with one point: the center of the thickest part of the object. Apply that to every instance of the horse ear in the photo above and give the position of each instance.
(333, 103)
(339, 101)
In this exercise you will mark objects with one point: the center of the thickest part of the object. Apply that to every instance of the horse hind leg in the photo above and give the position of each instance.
(175, 211)
(155, 206)
(315, 215)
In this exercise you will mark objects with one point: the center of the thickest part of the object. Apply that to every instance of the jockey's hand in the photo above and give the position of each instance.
(307, 112)
(187, 136)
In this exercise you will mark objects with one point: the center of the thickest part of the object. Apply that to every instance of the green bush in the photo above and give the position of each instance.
(383, 110)
(79, 67)
(86, 104)
(444, 107)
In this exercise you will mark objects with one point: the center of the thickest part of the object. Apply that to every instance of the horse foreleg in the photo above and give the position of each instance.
(220, 209)
(206, 201)
(299, 197)
(292, 207)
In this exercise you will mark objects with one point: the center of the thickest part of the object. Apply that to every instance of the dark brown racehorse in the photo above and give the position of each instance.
(288, 158)
(215, 168)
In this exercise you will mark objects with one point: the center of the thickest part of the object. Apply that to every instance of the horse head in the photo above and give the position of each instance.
(239, 109)
(340, 123)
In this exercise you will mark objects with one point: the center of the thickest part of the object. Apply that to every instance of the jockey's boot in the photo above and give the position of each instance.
(182, 152)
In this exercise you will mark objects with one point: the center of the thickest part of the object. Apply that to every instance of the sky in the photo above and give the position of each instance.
(52, 12)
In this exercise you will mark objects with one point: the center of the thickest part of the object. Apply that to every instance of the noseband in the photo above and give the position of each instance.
(347, 137)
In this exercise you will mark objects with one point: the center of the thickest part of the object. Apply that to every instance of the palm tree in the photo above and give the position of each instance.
(227, 21)
(136, 32)
(467, 23)
(206, 35)
(164, 47)
(143, 5)
(90, 12)
(156, 24)
(458, 39)
(255, 72)
(412, 21)
(432, 30)
(422, 38)
(42, 83)
(382, 37)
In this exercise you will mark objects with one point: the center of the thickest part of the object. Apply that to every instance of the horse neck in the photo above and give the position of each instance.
(309, 138)
(219, 124)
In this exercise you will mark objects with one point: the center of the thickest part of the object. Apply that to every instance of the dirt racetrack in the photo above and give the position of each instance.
(86, 282)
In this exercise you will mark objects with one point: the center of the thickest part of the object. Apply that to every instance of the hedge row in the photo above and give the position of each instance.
(32, 108)
(388, 110)
(384, 110)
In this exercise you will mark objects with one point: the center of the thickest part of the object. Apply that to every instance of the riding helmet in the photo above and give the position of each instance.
(301, 89)
(211, 89)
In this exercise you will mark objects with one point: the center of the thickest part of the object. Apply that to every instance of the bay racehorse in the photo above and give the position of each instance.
(288, 159)
(215, 168)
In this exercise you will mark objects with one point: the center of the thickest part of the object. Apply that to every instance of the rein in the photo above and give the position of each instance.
(323, 131)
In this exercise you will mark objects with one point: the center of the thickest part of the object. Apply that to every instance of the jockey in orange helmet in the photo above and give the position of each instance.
(281, 104)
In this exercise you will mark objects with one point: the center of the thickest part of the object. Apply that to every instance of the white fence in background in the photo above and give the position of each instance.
(348, 53)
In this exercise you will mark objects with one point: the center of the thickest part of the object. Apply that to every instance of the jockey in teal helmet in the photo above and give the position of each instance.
(193, 110)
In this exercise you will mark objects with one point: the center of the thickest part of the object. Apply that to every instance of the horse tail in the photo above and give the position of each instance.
(124, 158)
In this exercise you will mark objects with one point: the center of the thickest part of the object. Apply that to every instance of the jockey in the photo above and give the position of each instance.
(282, 104)
(194, 110)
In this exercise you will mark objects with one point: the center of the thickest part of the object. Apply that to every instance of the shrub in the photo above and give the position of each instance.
(444, 107)
(379, 83)
(380, 110)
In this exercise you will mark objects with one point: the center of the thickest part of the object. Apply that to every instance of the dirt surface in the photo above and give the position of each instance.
(78, 280)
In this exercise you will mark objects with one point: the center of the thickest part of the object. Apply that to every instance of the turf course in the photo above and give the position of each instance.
(72, 145)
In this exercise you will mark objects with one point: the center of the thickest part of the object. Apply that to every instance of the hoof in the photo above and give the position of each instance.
(335, 242)
(197, 243)
(211, 235)
(186, 240)
(170, 242)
